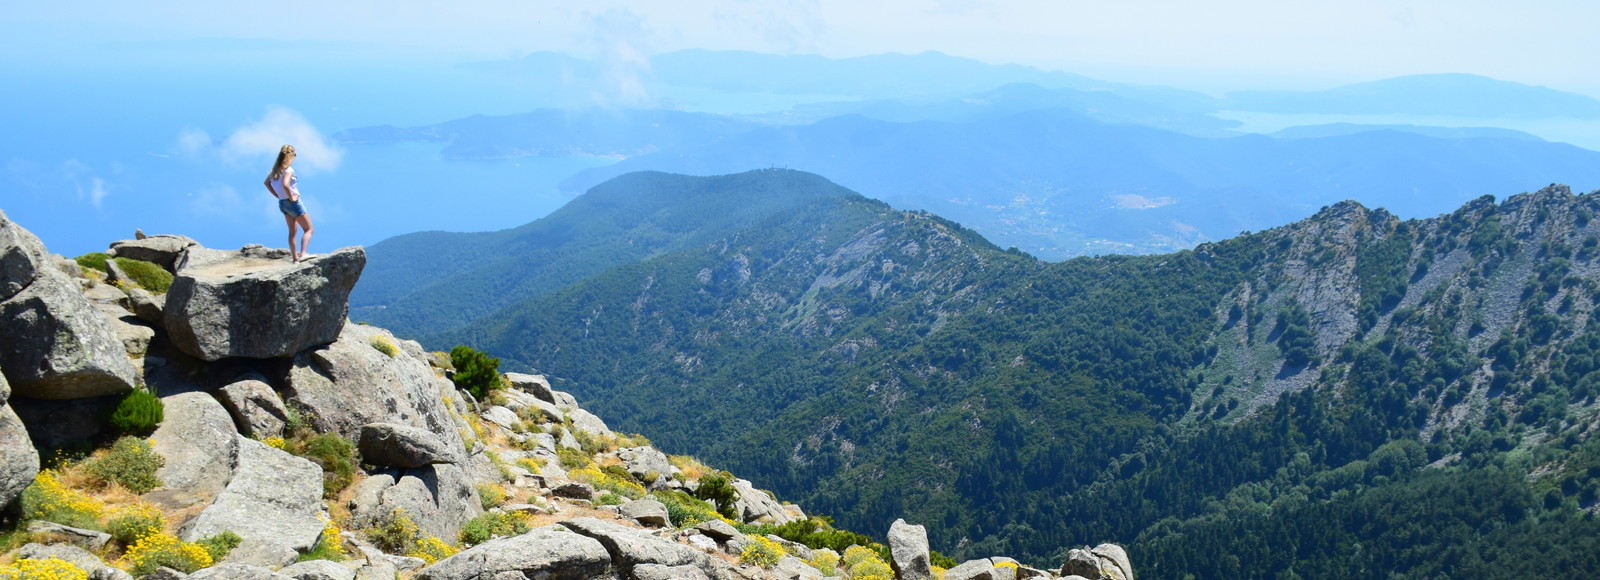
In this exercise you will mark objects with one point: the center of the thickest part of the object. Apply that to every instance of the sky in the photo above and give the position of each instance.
(1209, 46)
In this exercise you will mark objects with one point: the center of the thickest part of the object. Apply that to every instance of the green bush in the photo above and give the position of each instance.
(573, 458)
(335, 454)
(608, 498)
(718, 489)
(132, 463)
(133, 523)
(394, 533)
(219, 545)
(476, 372)
(147, 275)
(138, 413)
(384, 345)
(95, 260)
(491, 525)
(683, 509)
(491, 495)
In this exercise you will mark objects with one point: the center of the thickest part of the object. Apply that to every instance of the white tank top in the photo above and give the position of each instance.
(283, 192)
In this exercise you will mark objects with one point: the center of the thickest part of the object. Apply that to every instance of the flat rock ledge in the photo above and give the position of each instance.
(253, 303)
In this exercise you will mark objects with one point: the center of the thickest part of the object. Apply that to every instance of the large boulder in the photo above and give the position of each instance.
(198, 441)
(586, 422)
(319, 570)
(22, 255)
(403, 446)
(908, 548)
(550, 552)
(642, 461)
(162, 249)
(273, 502)
(439, 498)
(980, 569)
(236, 571)
(631, 547)
(647, 512)
(57, 345)
(755, 506)
(348, 384)
(248, 304)
(257, 410)
(535, 385)
(19, 463)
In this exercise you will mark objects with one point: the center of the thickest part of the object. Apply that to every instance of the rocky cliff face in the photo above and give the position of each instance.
(259, 374)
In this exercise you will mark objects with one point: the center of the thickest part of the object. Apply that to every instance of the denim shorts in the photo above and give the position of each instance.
(291, 208)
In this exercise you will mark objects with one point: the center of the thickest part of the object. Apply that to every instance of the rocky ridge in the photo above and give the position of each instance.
(252, 357)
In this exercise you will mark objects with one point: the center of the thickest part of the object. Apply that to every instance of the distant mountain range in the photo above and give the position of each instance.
(1261, 405)
(1449, 95)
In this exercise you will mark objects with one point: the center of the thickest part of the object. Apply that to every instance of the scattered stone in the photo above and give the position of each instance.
(756, 506)
(574, 490)
(318, 570)
(272, 503)
(550, 552)
(643, 461)
(19, 462)
(792, 568)
(1081, 562)
(242, 304)
(235, 571)
(162, 249)
(148, 307)
(109, 573)
(648, 512)
(703, 542)
(198, 441)
(439, 498)
(1114, 561)
(257, 410)
(403, 446)
(659, 572)
(718, 530)
(980, 569)
(586, 422)
(501, 416)
(908, 546)
(164, 573)
(631, 547)
(86, 539)
(535, 385)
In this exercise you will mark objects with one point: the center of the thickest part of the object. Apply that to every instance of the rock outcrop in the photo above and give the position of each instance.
(56, 344)
(257, 410)
(552, 552)
(403, 446)
(254, 303)
(199, 443)
(19, 463)
(272, 502)
(161, 249)
(908, 548)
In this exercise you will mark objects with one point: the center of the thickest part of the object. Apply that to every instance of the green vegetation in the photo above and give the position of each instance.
(147, 275)
(718, 489)
(334, 454)
(476, 372)
(218, 546)
(133, 523)
(492, 525)
(131, 463)
(683, 509)
(139, 412)
(384, 345)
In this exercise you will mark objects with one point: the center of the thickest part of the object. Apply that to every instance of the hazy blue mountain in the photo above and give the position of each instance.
(432, 281)
(1339, 129)
(1258, 406)
(561, 133)
(1455, 95)
(1057, 184)
(1100, 105)
(885, 76)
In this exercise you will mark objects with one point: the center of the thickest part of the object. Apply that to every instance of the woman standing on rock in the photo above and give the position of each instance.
(282, 183)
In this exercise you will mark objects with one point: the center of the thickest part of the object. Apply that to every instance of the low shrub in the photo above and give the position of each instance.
(476, 372)
(383, 345)
(131, 463)
(157, 550)
(134, 522)
(759, 551)
(683, 509)
(431, 550)
(147, 275)
(604, 481)
(219, 545)
(138, 413)
(43, 569)
(492, 525)
(718, 489)
(95, 260)
(491, 495)
(825, 562)
(330, 546)
(573, 458)
(335, 454)
(608, 498)
(50, 500)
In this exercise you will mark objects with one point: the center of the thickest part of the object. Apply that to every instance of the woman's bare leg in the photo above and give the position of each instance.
(291, 223)
(305, 238)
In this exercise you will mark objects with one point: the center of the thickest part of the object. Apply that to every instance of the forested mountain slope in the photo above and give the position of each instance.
(1349, 395)
(431, 281)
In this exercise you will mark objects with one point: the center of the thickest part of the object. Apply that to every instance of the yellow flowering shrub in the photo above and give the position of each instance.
(607, 482)
(871, 569)
(276, 443)
(134, 522)
(51, 500)
(157, 550)
(432, 549)
(857, 554)
(383, 345)
(1011, 565)
(938, 573)
(760, 551)
(43, 569)
(825, 562)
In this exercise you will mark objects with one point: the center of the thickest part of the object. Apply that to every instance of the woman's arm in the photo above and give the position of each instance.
(268, 182)
(288, 184)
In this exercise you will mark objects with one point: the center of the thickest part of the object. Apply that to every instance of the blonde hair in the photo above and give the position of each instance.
(284, 154)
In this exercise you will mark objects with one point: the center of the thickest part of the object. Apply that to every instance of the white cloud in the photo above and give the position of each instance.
(259, 142)
(96, 192)
(193, 141)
